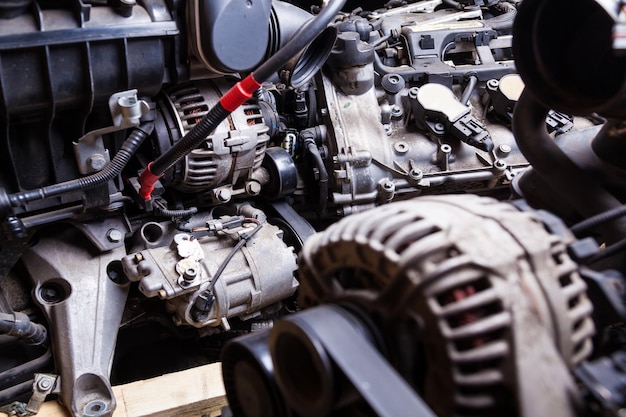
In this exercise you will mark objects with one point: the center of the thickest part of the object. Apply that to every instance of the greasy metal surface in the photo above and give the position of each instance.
(260, 274)
(84, 308)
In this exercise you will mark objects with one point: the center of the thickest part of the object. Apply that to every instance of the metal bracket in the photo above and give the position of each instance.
(126, 111)
(43, 385)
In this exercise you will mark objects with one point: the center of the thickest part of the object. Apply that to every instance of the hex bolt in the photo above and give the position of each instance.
(51, 293)
(396, 112)
(253, 188)
(416, 174)
(504, 150)
(387, 189)
(500, 164)
(96, 162)
(222, 195)
(443, 156)
(44, 384)
(114, 235)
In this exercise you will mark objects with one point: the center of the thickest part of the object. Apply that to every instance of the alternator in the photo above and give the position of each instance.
(498, 308)
(230, 155)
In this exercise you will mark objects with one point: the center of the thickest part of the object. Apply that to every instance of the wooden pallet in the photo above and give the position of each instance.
(195, 392)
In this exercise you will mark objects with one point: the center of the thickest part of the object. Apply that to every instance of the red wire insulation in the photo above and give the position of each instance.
(147, 180)
(239, 93)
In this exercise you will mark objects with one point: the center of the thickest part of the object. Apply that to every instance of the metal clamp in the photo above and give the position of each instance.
(126, 112)
(43, 385)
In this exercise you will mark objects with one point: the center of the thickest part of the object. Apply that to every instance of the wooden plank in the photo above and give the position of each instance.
(194, 392)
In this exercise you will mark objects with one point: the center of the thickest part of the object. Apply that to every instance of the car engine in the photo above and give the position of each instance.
(433, 188)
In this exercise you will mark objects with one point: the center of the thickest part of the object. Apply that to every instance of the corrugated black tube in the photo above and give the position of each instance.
(191, 140)
(113, 169)
(162, 212)
(597, 220)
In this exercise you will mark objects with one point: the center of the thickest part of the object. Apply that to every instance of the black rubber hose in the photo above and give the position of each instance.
(597, 220)
(574, 185)
(472, 80)
(452, 4)
(304, 36)
(16, 390)
(308, 138)
(18, 325)
(28, 368)
(611, 250)
(161, 212)
(191, 140)
(235, 96)
(218, 113)
(113, 169)
(203, 299)
(503, 22)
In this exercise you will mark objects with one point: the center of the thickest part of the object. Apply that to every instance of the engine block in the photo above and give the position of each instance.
(165, 163)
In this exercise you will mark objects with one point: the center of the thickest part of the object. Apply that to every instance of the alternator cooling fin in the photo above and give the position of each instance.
(477, 275)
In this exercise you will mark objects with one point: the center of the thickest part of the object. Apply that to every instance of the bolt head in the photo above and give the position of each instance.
(223, 195)
(96, 162)
(504, 150)
(114, 235)
(44, 384)
(416, 174)
(253, 188)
